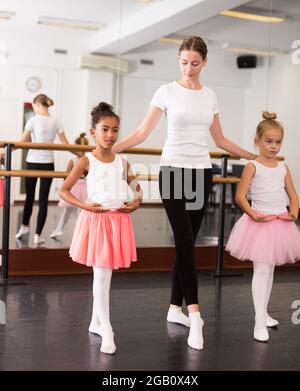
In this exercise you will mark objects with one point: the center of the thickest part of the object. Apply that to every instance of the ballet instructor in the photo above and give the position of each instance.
(185, 175)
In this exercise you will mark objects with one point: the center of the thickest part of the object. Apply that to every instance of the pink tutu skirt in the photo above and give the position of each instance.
(274, 242)
(79, 191)
(103, 240)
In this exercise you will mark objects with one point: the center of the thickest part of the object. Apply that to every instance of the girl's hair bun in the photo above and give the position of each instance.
(103, 106)
(267, 115)
(50, 102)
(269, 120)
(43, 100)
(103, 109)
(82, 140)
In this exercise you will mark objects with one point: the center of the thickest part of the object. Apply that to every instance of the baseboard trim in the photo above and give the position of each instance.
(41, 261)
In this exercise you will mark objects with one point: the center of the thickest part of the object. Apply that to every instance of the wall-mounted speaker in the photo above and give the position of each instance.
(246, 61)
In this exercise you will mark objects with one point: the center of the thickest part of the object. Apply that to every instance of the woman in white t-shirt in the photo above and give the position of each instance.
(185, 175)
(41, 128)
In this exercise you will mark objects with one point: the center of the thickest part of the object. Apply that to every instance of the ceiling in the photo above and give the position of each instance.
(221, 29)
(102, 11)
(132, 25)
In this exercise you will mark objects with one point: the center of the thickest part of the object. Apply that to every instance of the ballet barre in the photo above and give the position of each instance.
(64, 174)
(88, 148)
(8, 173)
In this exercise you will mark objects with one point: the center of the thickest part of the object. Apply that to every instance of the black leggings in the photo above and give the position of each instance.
(185, 213)
(30, 184)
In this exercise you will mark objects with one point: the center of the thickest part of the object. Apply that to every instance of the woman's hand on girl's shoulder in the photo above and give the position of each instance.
(130, 206)
(94, 207)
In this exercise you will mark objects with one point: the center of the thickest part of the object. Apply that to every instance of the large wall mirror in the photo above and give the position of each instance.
(121, 51)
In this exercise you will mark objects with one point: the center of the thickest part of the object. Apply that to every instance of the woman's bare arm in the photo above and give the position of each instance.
(142, 132)
(222, 142)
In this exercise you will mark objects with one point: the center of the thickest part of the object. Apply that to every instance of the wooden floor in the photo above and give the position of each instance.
(47, 317)
(47, 323)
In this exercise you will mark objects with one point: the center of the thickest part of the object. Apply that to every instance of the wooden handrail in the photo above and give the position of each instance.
(34, 174)
(53, 147)
(64, 174)
(86, 148)
(8, 173)
(216, 178)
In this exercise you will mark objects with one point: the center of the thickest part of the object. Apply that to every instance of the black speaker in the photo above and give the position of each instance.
(246, 61)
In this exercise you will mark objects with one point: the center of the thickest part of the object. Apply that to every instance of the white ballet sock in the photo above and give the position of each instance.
(261, 335)
(101, 288)
(63, 221)
(175, 315)
(108, 344)
(271, 322)
(24, 229)
(195, 339)
(56, 234)
(37, 239)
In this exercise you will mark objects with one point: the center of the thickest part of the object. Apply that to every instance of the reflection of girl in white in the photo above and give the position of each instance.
(78, 190)
(41, 128)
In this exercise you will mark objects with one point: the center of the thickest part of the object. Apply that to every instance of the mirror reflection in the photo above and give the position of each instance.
(122, 52)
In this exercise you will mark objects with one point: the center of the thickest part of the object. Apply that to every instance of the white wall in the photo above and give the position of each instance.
(282, 97)
(74, 91)
(13, 95)
(220, 74)
(241, 96)
(81, 91)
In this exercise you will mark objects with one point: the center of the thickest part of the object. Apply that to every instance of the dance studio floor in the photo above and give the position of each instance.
(47, 317)
(47, 325)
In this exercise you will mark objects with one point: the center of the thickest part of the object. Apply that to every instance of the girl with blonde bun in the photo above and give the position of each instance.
(266, 234)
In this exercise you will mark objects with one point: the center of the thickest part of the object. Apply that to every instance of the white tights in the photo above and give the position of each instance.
(64, 218)
(262, 283)
(100, 322)
(101, 288)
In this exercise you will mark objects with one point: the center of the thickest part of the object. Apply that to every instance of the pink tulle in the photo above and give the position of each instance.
(79, 191)
(104, 240)
(275, 242)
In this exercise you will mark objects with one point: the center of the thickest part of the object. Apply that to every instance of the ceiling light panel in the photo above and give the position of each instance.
(252, 16)
(69, 23)
(6, 15)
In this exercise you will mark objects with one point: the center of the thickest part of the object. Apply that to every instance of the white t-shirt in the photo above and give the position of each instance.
(43, 130)
(190, 114)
